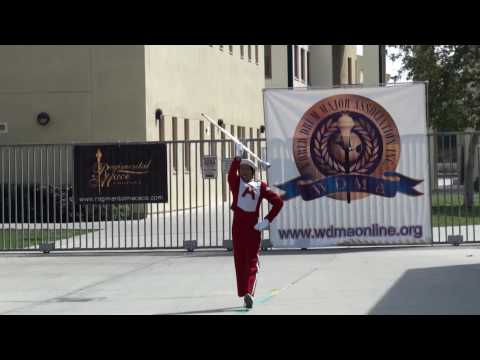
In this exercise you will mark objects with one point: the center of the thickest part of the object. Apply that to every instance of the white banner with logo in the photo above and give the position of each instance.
(351, 165)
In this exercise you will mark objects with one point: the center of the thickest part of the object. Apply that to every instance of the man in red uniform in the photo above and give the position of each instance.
(246, 232)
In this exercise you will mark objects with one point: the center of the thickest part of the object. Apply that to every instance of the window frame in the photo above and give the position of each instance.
(302, 64)
(267, 54)
(295, 61)
(174, 144)
(187, 156)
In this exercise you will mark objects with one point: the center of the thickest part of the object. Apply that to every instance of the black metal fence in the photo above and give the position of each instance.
(38, 212)
(454, 169)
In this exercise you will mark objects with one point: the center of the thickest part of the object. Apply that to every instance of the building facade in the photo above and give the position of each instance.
(115, 93)
(290, 66)
(97, 93)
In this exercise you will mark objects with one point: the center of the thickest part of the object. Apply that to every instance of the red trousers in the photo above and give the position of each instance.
(246, 247)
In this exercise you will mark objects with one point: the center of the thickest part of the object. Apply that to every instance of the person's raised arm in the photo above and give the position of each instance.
(233, 171)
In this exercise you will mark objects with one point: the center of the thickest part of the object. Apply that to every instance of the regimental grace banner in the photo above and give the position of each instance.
(120, 173)
(350, 164)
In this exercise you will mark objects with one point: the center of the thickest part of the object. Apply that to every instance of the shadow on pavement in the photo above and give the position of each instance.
(448, 290)
(211, 311)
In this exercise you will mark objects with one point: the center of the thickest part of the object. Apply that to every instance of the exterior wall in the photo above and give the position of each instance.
(110, 93)
(184, 81)
(328, 65)
(321, 65)
(369, 63)
(92, 93)
(349, 51)
(279, 68)
(118, 93)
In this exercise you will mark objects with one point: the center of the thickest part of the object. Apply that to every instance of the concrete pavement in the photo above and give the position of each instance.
(415, 280)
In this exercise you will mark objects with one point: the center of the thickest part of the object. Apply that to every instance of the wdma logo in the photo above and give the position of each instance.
(347, 147)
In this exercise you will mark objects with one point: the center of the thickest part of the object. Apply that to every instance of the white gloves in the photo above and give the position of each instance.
(262, 225)
(238, 150)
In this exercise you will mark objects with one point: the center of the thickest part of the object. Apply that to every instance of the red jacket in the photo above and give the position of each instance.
(234, 182)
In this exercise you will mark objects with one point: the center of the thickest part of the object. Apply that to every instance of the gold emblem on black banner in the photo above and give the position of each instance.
(105, 175)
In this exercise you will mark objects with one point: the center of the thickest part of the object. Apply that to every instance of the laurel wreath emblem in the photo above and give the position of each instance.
(364, 165)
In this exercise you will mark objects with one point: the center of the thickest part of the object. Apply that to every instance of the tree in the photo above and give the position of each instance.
(453, 73)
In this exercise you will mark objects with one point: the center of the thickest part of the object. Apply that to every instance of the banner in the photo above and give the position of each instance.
(121, 173)
(350, 164)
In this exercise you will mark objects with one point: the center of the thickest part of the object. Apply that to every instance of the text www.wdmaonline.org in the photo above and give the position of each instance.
(374, 230)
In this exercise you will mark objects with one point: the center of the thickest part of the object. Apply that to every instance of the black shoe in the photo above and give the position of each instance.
(248, 301)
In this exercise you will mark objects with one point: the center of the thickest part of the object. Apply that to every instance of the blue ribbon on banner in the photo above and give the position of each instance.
(310, 190)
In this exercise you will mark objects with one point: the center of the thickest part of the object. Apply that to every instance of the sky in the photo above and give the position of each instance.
(392, 68)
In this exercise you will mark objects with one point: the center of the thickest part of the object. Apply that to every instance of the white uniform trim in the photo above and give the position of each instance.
(258, 270)
(248, 195)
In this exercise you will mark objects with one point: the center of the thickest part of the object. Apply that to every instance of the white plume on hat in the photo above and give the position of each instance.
(249, 163)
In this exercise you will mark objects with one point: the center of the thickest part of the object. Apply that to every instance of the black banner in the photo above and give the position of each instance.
(120, 173)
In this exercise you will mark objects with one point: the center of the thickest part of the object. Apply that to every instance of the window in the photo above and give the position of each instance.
(222, 136)
(252, 143)
(259, 142)
(249, 52)
(161, 129)
(241, 52)
(256, 54)
(356, 72)
(232, 146)
(309, 79)
(230, 49)
(175, 138)
(268, 61)
(187, 145)
(295, 55)
(241, 133)
(349, 71)
(221, 47)
(213, 145)
(302, 64)
(223, 151)
(202, 137)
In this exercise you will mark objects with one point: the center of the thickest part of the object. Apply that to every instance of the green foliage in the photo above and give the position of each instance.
(453, 73)
(448, 209)
(14, 239)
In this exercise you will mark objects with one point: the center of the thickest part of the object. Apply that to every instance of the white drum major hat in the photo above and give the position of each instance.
(249, 163)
